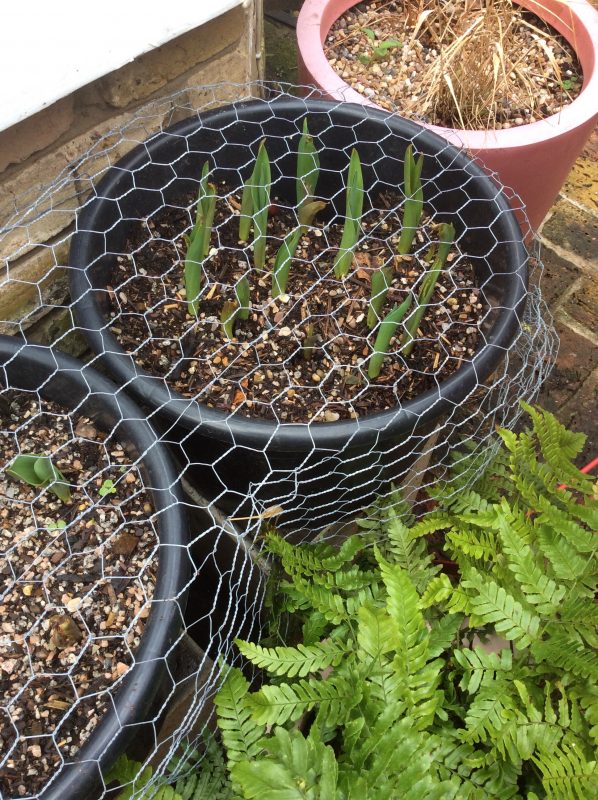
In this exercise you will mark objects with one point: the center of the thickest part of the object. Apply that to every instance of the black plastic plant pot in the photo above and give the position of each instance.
(317, 472)
(73, 385)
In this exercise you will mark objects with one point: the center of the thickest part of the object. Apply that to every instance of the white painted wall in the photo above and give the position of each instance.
(50, 48)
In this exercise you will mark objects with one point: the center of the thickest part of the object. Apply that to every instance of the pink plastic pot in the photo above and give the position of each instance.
(533, 159)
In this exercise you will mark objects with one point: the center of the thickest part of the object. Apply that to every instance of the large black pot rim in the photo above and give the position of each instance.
(292, 437)
(31, 367)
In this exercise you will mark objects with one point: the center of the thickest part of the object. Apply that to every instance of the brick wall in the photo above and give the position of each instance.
(34, 152)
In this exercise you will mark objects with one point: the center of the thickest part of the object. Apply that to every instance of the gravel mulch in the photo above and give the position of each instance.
(303, 356)
(529, 75)
(76, 582)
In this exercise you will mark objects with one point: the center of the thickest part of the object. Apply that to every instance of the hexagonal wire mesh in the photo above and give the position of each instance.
(263, 390)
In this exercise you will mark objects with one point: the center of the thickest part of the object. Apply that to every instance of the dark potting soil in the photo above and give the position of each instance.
(303, 356)
(76, 582)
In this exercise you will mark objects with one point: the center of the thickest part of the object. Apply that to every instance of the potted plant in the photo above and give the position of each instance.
(67, 503)
(382, 677)
(533, 159)
(240, 164)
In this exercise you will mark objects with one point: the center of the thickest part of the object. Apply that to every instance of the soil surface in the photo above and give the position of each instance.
(76, 582)
(511, 69)
(304, 355)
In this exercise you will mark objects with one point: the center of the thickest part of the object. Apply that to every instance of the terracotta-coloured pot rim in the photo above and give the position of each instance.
(576, 20)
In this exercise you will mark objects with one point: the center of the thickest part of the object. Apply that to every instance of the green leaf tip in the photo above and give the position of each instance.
(260, 201)
(447, 236)
(39, 471)
(282, 263)
(308, 171)
(381, 281)
(198, 241)
(242, 293)
(353, 214)
(386, 331)
(414, 200)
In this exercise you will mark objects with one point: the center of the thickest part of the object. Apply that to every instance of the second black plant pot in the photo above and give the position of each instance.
(76, 386)
(320, 472)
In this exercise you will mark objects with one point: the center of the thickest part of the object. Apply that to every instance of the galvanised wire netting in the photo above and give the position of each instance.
(241, 276)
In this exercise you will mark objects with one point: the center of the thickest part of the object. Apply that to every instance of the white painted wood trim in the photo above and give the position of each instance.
(50, 49)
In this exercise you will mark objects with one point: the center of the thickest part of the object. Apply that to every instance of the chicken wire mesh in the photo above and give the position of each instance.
(267, 406)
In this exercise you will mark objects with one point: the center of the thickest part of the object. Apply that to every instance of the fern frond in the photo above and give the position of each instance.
(488, 713)
(466, 500)
(240, 733)
(369, 595)
(275, 705)
(433, 522)
(408, 552)
(297, 768)
(580, 614)
(400, 758)
(566, 563)
(479, 545)
(135, 779)
(293, 661)
(376, 634)
(330, 604)
(558, 445)
(566, 651)
(443, 632)
(349, 579)
(490, 603)
(207, 774)
(566, 774)
(465, 767)
(554, 517)
(345, 553)
(314, 628)
(538, 588)
(481, 667)
(440, 588)
(588, 700)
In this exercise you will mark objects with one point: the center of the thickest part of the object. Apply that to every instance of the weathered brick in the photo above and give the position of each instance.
(55, 211)
(32, 285)
(580, 415)
(151, 71)
(35, 133)
(582, 306)
(557, 277)
(30, 211)
(238, 67)
(574, 229)
(576, 359)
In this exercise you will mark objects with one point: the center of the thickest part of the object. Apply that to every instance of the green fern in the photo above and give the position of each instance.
(240, 734)
(567, 775)
(489, 603)
(294, 662)
(275, 705)
(378, 688)
(407, 551)
(481, 668)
